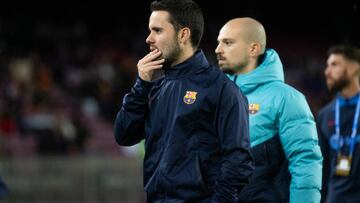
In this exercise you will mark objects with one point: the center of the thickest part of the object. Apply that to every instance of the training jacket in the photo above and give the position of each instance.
(284, 141)
(195, 123)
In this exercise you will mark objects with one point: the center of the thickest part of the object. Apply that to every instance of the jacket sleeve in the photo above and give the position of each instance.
(298, 136)
(130, 120)
(324, 145)
(233, 130)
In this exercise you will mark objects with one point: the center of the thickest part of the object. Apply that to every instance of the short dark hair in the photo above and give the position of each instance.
(183, 13)
(350, 52)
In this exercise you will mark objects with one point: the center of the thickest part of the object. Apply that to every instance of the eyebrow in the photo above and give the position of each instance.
(155, 28)
(225, 39)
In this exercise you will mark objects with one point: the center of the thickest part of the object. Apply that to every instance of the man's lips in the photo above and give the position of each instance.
(220, 58)
(153, 48)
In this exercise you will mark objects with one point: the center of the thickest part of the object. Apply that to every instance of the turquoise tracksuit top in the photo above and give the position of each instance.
(278, 109)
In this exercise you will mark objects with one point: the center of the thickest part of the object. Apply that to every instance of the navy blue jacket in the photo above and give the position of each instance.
(338, 188)
(195, 124)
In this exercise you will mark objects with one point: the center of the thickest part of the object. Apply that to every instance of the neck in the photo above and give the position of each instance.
(185, 55)
(351, 90)
(249, 67)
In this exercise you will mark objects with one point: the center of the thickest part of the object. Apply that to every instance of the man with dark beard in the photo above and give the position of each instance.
(193, 118)
(338, 127)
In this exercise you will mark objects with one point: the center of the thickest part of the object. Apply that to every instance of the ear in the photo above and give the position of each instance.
(184, 35)
(353, 68)
(254, 49)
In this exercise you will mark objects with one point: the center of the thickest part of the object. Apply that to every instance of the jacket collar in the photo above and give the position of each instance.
(269, 70)
(194, 64)
(352, 101)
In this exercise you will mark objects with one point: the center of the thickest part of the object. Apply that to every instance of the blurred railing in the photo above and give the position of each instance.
(83, 179)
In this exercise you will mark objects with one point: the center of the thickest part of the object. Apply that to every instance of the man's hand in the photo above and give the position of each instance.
(147, 65)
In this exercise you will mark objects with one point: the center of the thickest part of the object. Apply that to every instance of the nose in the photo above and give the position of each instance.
(327, 71)
(149, 39)
(218, 49)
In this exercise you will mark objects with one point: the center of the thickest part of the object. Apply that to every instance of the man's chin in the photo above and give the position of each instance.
(337, 86)
(334, 89)
(227, 70)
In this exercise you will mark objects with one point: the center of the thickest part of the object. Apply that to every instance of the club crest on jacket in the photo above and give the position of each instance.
(190, 97)
(253, 108)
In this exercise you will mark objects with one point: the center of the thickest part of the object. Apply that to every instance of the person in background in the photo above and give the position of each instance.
(338, 127)
(283, 133)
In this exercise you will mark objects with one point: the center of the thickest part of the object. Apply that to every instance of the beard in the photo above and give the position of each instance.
(339, 85)
(231, 68)
(173, 55)
(227, 70)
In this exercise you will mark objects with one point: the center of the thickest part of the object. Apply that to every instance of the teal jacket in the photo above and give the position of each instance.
(277, 109)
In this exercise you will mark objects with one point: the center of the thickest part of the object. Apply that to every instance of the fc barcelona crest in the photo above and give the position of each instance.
(253, 108)
(190, 97)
